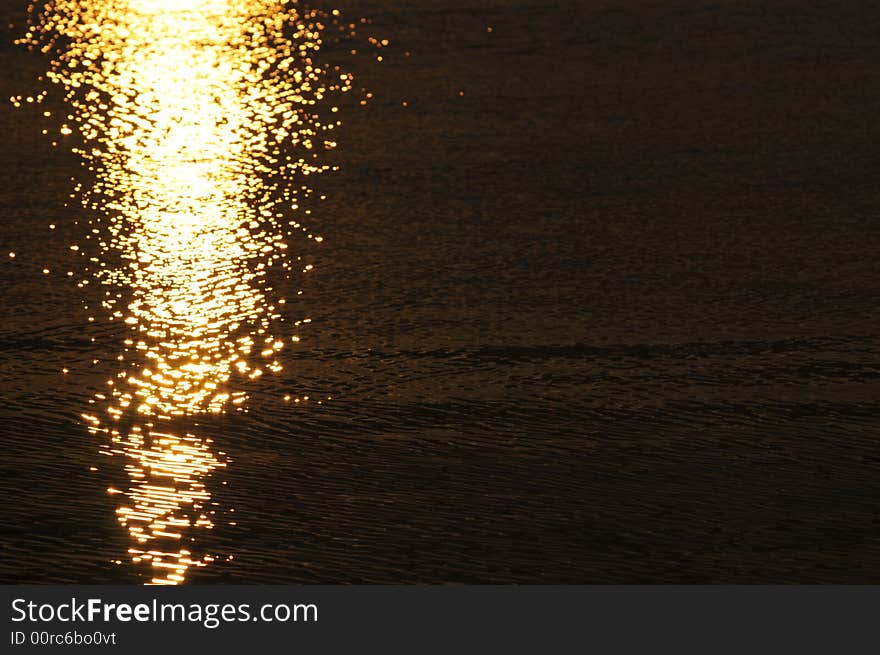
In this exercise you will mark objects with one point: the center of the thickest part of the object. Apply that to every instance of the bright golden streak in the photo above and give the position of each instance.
(186, 109)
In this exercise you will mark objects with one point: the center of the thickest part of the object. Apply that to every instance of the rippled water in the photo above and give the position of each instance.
(453, 293)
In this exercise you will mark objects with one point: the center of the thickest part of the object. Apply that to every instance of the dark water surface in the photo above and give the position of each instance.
(598, 303)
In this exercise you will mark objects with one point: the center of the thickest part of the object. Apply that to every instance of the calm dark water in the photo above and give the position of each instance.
(597, 304)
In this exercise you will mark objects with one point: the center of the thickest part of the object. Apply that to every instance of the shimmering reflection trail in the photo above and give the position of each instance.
(199, 119)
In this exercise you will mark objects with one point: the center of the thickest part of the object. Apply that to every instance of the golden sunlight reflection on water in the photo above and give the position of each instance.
(199, 120)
